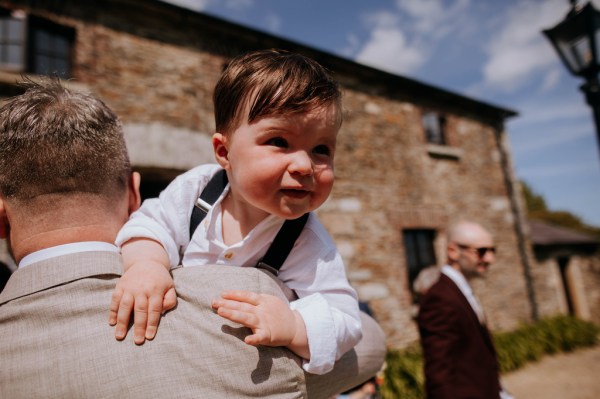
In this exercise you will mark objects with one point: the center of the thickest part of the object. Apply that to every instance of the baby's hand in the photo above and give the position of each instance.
(146, 288)
(271, 320)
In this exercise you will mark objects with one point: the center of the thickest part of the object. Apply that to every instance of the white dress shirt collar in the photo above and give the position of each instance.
(464, 287)
(59, 250)
(459, 279)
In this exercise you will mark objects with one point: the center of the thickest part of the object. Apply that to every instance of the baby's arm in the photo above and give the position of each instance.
(163, 220)
(271, 320)
(327, 303)
(146, 287)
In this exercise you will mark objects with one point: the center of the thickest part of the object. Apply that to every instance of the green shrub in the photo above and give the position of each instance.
(547, 336)
(403, 375)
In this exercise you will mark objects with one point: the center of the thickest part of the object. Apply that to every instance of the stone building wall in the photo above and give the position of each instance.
(582, 278)
(590, 273)
(156, 66)
(387, 181)
(548, 285)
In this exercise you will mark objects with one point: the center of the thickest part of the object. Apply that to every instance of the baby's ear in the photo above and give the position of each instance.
(220, 148)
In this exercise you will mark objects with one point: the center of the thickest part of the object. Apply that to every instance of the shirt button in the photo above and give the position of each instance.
(229, 255)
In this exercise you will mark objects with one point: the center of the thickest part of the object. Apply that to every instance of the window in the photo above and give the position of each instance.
(12, 39)
(435, 128)
(420, 253)
(35, 45)
(49, 49)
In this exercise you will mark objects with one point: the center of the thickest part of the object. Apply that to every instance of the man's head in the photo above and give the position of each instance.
(271, 82)
(470, 249)
(63, 163)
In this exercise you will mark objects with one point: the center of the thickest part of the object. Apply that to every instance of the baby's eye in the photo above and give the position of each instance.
(278, 142)
(322, 150)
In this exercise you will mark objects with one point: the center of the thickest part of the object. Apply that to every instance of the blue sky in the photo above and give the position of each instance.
(489, 50)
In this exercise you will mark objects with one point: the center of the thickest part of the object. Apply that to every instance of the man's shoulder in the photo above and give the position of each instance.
(443, 290)
(205, 348)
(442, 284)
(60, 271)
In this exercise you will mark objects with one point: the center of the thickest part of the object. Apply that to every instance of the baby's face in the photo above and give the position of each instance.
(283, 164)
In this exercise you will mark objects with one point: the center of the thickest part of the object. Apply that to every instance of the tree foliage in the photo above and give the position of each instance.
(537, 209)
(534, 202)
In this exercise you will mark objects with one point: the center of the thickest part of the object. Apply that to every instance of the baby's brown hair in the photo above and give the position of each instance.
(273, 82)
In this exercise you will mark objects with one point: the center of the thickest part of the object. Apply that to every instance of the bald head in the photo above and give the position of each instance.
(470, 249)
(468, 233)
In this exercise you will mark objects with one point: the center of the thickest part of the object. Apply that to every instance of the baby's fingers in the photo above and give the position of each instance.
(155, 309)
(260, 337)
(247, 319)
(170, 300)
(140, 319)
(123, 315)
(249, 297)
(114, 306)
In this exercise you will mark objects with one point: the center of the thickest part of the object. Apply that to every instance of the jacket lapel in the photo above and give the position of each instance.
(483, 330)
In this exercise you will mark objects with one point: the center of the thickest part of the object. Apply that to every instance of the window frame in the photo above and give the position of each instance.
(54, 30)
(57, 49)
(434, 128)
(419, 248)
(9, 16)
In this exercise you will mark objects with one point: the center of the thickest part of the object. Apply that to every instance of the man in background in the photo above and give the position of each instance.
(460, 359)
(66, 188)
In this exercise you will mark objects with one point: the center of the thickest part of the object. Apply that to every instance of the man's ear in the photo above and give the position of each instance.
(220, 144)
(453, 251)
(135, 198)
(4, 224)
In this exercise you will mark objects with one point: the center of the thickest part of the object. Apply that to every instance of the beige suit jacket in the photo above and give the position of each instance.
(56, 341)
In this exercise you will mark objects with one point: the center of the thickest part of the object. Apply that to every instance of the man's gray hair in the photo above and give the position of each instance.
(57, 141)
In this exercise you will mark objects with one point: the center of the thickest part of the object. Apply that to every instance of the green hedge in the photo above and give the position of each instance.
(403, 375)
(530, 342)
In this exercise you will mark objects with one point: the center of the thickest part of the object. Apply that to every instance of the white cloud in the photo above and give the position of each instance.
(402, 40)
(556, 170)
(424, 13)
(542, 140)
(550, 80)
(429, 17)
(196, 5)
(388, 49)
(563, 109)
(200, 5)
(518, 51)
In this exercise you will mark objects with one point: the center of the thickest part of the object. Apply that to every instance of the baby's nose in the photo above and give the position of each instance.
(301, 164)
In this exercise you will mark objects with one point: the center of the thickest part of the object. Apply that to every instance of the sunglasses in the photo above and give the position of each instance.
(480, 251)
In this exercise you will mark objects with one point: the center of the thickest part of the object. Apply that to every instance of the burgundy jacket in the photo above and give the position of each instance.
(460, 360)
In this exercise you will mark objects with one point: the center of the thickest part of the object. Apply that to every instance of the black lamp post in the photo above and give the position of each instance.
(577, 41)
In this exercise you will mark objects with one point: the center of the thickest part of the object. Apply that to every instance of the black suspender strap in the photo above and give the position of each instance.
(281, 246)
(207, 198)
